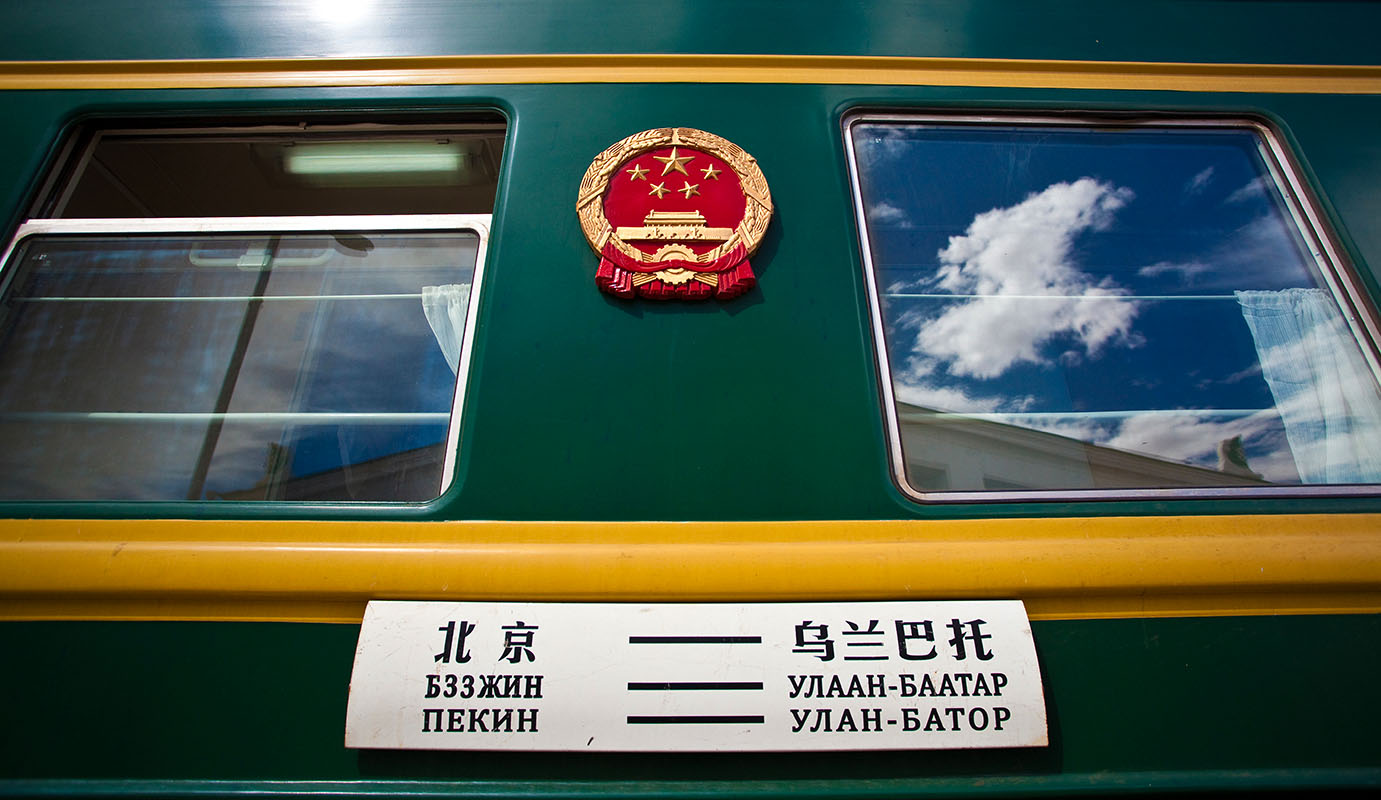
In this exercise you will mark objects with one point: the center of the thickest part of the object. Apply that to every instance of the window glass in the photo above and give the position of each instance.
(273, 312)
(1092, 307)
(232, 366)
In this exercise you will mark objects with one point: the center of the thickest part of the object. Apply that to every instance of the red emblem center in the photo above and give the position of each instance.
(675, 183)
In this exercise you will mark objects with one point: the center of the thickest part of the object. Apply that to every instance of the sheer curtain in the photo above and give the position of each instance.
(1323, 389)
(445, 308)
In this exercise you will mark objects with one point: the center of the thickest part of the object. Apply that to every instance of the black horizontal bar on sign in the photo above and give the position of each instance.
(696, 720)
(694, 686)
(695, 640)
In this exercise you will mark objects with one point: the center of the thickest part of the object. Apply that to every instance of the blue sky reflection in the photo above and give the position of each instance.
(1081, 282)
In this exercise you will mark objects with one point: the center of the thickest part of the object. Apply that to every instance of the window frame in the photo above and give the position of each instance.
(1340, 278)
(479, 224)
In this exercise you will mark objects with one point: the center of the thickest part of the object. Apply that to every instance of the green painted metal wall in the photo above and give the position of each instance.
(582, 406)
(1260, 31)
(186, 708)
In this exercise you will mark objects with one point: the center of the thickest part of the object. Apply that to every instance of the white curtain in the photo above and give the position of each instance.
(1323, 389)
(445, 308)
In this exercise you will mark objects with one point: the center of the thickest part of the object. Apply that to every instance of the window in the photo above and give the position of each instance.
(263, 314)
(1100, 305)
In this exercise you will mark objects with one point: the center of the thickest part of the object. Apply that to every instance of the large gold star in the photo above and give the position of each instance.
(638, 173)
(711, 173)
(659, 189)
(690, 189)
(671, 162)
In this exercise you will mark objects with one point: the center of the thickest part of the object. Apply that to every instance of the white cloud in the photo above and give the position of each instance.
(1251, 371)
(1256, 187)
(913, 384)
(1084, 430)
(879, 144)
(1264, 251)
(1199, 182)
(885, 214)
(1260, 250)
(1188, 270)
(1193, 438)
(955, 399)
(918, 368)
(1017, 260)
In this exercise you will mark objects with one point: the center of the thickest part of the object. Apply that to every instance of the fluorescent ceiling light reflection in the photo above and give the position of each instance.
(373, 159)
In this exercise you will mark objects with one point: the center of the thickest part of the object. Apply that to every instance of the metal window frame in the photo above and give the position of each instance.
(479, 224)
(1337, 272)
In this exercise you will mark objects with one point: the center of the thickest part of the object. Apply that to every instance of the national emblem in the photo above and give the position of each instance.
(674, 213)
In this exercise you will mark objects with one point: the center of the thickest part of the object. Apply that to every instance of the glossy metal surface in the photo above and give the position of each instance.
(1159, 30)
(673, 68)
(1089, 568)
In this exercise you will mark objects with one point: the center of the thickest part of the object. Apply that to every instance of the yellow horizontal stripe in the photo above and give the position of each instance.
(674, 68)
(327, 571)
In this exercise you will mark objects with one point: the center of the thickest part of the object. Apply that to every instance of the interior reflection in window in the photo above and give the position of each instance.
(1081, 308)
(232, 366)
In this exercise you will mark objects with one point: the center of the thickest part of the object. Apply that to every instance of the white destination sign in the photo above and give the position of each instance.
(683, 677)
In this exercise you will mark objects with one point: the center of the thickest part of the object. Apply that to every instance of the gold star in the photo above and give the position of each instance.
(659, 189)
(638, 173)
(690, 189)
(671, 162)
(711, 173)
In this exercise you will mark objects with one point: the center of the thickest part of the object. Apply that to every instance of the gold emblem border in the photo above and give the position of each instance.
(757, 210)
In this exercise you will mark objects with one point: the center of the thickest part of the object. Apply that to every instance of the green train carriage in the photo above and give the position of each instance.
(189, 546)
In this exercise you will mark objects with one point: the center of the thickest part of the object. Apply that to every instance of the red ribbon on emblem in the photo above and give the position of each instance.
(733, 273)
